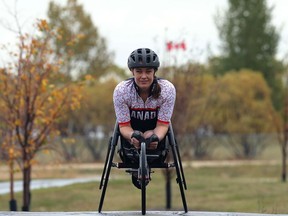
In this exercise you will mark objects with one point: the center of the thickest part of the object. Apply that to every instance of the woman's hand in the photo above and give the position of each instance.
(135, 143)
(150, 135)
(135, 138)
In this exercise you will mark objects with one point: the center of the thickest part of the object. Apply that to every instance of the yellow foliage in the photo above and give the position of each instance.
(11, 152)
(241, 103)
(43, 25)
(17, 122)
(31, 94)
(23, 77)
(238, 102)
(46, 151)
(80, 36)
(44, 82)
(70, 43)
(88, 77)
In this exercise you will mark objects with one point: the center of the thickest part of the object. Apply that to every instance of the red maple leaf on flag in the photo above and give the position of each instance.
(182, 45)
(170, 45)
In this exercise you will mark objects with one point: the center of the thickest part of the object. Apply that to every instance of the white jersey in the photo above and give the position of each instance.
(130, 107)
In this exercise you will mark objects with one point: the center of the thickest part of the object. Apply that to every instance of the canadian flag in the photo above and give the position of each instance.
(172, 45)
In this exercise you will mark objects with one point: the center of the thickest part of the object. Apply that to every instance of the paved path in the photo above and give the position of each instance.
(133, 213)
(44, 183)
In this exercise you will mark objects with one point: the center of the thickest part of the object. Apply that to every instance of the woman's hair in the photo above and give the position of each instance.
(155, 88)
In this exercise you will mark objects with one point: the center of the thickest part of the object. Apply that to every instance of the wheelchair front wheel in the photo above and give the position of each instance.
(144, 176)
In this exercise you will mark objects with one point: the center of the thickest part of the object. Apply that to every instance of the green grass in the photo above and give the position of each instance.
(253, 188)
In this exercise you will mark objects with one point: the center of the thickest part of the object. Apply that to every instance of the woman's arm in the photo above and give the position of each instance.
(160, 130)
(127, 131)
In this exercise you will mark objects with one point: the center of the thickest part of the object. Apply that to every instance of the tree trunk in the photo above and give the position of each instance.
(13, 205)
(168, 188)
(284, 153)
(26, 185)
(284, 158)
(285, 141)
(12, 202)
(168, 173)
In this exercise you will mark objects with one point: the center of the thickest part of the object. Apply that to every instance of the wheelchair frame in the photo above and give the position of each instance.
(142, 167)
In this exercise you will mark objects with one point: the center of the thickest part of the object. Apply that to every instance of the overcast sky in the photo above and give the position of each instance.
(130, 24)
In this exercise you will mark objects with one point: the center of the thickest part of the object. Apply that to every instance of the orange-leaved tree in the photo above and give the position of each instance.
(32, 99)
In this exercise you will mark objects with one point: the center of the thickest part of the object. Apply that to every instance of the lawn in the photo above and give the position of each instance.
(242, 188)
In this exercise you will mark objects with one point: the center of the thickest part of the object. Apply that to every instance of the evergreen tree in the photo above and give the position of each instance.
(90, 54)
(250, 41)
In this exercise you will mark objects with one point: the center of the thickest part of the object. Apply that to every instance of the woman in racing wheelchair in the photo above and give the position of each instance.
(143, 106)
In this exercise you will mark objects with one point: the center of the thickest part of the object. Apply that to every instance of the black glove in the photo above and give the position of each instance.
(153, 138)
(137, 135)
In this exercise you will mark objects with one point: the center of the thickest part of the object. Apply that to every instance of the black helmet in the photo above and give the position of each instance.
(143, 57)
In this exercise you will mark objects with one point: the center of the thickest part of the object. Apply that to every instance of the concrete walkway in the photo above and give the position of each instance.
(44, 183)
(132, 213)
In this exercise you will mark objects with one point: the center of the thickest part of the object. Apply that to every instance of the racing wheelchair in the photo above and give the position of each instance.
(141, 162)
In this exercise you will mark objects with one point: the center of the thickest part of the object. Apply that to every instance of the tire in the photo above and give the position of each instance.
(143, 173)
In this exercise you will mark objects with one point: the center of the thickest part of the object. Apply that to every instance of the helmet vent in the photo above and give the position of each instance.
(154, 58)
(140, 59)
(148, 59)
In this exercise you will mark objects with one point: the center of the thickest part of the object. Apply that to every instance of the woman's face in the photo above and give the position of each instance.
(143, 77)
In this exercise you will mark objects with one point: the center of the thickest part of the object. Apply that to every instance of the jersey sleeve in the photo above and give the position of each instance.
(121, 105)
(166, 109)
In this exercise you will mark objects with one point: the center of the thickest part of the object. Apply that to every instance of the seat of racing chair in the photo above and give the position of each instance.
(130, 155)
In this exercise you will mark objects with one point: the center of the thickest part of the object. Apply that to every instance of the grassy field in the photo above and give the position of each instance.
(242, 188)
